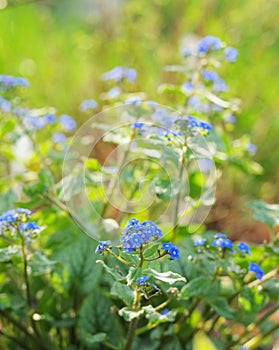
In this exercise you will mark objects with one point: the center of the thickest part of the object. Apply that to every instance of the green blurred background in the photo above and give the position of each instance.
(64, 46)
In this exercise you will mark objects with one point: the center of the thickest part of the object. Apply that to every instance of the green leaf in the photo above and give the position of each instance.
(40, 264)
(6, 254)
(266, 213)
(5, 302)
(133, 274)
(114, 273)
(197, 286)
(75, 252)
(151, 250)
(129, 314)
(155, 317)
(167, 277)
(71, 185)
(90, 339)
(222, 307)
(7, 200)
(96, 320)
(123, 292)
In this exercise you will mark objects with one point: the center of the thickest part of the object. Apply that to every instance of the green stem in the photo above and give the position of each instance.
(141, 256)
(244, 338)
(133, 324)
(28, 291)
(176, 205)
(110, 346)
(116, 256)
(257, 340)
(157, 257)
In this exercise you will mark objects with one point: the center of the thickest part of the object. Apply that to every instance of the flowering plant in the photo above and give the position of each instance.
(169, 282)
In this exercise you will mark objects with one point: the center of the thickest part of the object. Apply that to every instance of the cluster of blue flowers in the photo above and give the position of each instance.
(18, 218)
(218, 83)
(170, 126)
(222, 241)
(118, 74)
(172, 250)
(10, 81)
(135, 234)
(36, 119)
(210, 44)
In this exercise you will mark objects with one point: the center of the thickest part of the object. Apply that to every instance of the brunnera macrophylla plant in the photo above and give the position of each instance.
(158, 278)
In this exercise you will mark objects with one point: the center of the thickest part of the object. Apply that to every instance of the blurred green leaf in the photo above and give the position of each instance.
(266, 213)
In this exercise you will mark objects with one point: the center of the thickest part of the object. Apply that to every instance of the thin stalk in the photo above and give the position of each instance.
(157, 257)
(176, 205)
(116, 256)
(28, 291)
(141, 256)
(110, 346)
(133, 324)
(244, 338)
(256, 340)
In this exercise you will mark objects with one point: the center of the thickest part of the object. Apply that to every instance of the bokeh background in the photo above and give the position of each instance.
(64, 46)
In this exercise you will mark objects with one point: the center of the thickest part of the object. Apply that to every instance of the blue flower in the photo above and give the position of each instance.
(137, 125)
(135, 100)
(114, 92)
(174, 253)
(210, 75)
(50, 118)
(164, 312)
(119, 73)
(24, 211)
(58, 137)
(35, 122)
(5, 105)
(251, 148)
(132, 222)
(187, 87)
(32, 228)
(199, 242)
(222, 243)
(220, 235)
(209, 43)
(166, 246)
(67, 122)
(101, 246)
(186, 52)
(244, 248)
(141, 280)
(230, 54)
(152, 104)
(197, 123)
(155, 287)
(230, 119)
(253, 267)
(88, 104)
